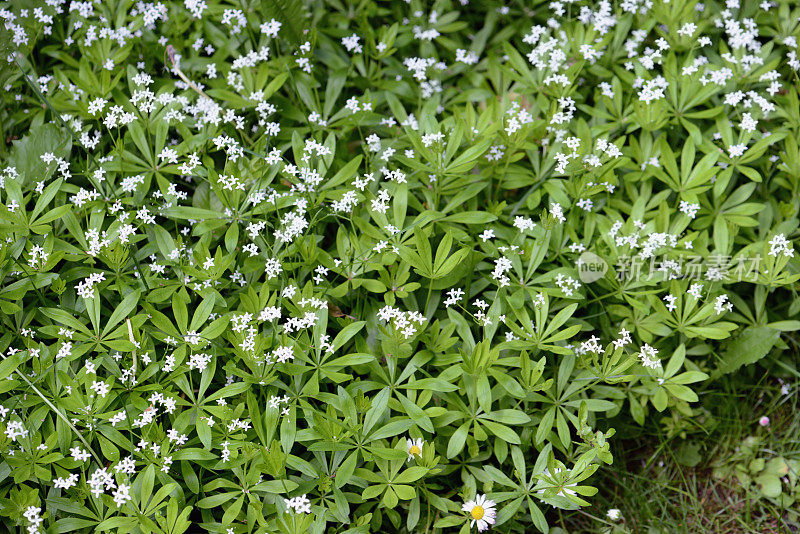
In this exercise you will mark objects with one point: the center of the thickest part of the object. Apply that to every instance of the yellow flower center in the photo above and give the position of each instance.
(415, 450)
(477, 512)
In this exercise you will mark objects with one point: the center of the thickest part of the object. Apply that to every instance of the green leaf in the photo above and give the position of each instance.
(65, 319)
(660, 399)
(501, 431)
(752, 344)
(216, 328)
(202, 312)
(26, 154)
(347, 172)
(471, 217)
(546, 425)
(9, 364)
(509, 417)
(457, 440)
(447, 267)
(412, 474)
(770, 485)
(380, 403)
(180, 312)
(346, 334)
(391, 429)
(122, 311)
(147, 481)
(214, 501)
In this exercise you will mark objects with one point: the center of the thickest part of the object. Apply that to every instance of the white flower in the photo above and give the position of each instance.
(299, 505)
(780, 245)
(122, 495)
(79, 454)
(414, 447)
(482, 511)
(192, 337)
(647, 355)
(737, 150)
(614, 514)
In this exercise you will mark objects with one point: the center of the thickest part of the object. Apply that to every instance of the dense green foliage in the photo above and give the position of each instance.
(274, 266)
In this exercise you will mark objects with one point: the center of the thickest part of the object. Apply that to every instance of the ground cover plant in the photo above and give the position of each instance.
(381, 266)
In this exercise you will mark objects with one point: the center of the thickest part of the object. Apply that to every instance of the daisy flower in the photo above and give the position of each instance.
(414, 447)
(482, 511)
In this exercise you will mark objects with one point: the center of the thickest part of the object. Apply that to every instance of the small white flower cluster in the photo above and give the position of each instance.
(38, 257)
(83, 196)
(780, 245)
(563, 158)
(557, 212)
(66, 482)
(65, 350)
(652, 90)
(9, 173)
(501, 266)
(345, 204)
(690, 210)
(15, 429)
(294, 223)
(150, 413)
(251, 59)
(238, 424)
(649, 243)
(567, 284)
(308, 319)
(480, 315)
(517, 118)
(647, 355)
(466, 57)
(592, 345)
(351, 44)
(694, 290)
(721, 304)
(281, 354)
(102, 480)
(270, 28)
(276, 401)
(199, 361)
(381, 203)
(454, 296)
(402, 321)
(736, 151)
(270, 313)
(496, 152)
(565, 113)
(523, 224)
(623, 339)
(98, 240)
(609, 149)
(34, 519)
(86, 287)
(48, 158)
(298, 505)
(431, 138)
(233, 149)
